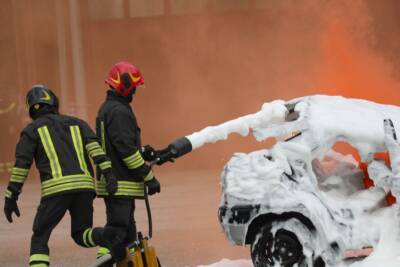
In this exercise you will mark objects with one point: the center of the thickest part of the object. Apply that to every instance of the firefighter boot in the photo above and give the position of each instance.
(109, 237)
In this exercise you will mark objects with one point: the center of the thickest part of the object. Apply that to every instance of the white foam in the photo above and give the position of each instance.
(230, 263)
(323, 120)
(270, 113)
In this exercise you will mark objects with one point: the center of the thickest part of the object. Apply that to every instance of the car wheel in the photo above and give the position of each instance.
(283, 247)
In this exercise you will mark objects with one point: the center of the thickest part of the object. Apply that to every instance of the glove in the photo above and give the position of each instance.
(111, 182)
(149, 153)
(10, 206)
(153, 186)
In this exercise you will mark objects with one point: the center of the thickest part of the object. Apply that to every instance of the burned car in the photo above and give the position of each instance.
(301, 202)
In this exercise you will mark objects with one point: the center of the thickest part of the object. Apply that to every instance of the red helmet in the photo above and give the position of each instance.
(123, 77)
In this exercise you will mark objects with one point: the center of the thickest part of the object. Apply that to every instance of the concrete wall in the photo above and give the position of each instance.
(204, 61)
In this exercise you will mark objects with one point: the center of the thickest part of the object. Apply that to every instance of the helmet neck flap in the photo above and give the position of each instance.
(41, 100)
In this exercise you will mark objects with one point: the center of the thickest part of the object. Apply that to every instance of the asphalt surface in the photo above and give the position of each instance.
(186, 231)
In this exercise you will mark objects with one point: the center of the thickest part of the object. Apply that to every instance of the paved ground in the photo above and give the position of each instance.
(186, 228)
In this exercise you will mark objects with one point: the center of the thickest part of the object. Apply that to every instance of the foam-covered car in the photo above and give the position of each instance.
(301, 203)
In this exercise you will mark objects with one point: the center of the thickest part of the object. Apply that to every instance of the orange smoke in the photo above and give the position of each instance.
(352, 68)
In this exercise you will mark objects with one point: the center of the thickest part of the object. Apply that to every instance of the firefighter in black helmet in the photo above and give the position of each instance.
(61, 147)
(117, 127)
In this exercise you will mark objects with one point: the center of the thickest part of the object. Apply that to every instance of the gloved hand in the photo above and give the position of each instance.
(111, 182)
(149, 153)
(153, 186)
(10, 206)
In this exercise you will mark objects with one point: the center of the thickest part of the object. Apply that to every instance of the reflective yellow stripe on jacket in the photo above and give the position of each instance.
(105, 165)
(103, 136)
(67, 183)
(78, 144)
(134, 161)
(50, 151)
(125, 188)
(18, 175)
(149, 176)
(8, 194)
(59, 183)
(94, 149)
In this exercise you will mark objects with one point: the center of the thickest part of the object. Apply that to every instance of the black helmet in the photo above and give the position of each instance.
(39, 96)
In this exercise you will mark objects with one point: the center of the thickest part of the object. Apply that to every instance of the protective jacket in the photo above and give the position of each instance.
(118, 129)
(61, 146)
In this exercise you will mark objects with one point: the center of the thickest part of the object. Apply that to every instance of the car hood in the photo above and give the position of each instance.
(266, 175)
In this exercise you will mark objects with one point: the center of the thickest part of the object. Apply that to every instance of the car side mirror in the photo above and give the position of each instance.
(291, 114)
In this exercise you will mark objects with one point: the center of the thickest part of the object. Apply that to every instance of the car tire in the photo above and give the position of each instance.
(267, 249)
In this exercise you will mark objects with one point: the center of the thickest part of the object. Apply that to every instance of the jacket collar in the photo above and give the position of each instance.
(46, 110)
(111, 95)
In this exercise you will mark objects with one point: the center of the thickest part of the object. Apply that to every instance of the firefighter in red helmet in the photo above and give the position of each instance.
(117, 127)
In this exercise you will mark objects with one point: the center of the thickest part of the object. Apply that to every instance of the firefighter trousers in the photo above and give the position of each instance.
(120, 215)
(49, 214)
